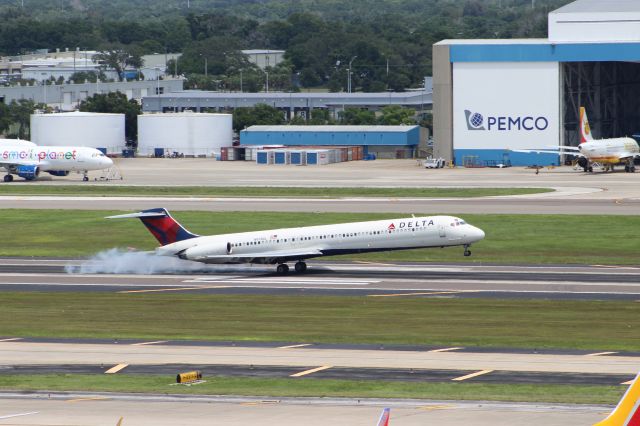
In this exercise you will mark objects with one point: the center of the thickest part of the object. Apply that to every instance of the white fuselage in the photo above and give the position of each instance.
(312, 241)
(609, 151)
(51, 158)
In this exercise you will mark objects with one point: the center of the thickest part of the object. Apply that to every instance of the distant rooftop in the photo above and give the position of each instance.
(600, 6)
(287, 128)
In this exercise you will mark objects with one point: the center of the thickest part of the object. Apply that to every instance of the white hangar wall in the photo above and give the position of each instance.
(501, 106)
(196, 134)
(95, 130)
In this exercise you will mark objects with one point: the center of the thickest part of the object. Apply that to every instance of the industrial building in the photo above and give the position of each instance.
(494, 96)
(381, 141)
(184, 134)
(90, 129)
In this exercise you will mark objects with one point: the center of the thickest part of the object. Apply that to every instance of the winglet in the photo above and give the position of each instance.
(627, 412)
(384, 417)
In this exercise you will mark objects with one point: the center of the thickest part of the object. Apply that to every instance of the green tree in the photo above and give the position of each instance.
(260, 114)
(20, 115)
(119, 59)
(5, 118)
(394, 115)
(357, 116)
(116, 102)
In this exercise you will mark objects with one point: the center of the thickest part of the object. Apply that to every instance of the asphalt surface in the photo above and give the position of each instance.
(123, 273)
(56, 408)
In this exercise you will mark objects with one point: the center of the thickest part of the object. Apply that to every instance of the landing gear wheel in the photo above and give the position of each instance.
(627, 169)
(85, 178)
(8, 178)
(590, 170)
(467, 252)
(282, 269)
(632, 169)
(300, 267)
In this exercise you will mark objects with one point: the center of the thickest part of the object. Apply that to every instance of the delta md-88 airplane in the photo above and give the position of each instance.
(279, 246)
(27, 160)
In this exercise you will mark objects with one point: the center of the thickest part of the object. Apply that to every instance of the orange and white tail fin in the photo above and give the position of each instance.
(585, 129)
(384, 417)
(627, 412)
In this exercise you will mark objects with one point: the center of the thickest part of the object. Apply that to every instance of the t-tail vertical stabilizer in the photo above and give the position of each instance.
(627, 412)
(160, 223)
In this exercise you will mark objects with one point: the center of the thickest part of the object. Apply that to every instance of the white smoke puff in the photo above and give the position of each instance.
(120, 261)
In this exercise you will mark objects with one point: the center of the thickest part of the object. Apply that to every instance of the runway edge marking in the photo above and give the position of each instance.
(116, 368)
(472, 375)
(311, 371)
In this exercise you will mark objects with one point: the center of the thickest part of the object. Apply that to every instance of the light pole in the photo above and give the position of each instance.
(349, 76)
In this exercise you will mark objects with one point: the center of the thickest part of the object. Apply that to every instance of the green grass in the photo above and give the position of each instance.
(317, 387)
(593, 325)
(509, 238)
(235, 191)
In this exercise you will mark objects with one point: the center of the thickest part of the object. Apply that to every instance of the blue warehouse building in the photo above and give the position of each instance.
(382, 141)
(495, 99)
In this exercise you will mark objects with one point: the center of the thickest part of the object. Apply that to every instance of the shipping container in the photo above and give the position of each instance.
(281, 157)
(264, 157)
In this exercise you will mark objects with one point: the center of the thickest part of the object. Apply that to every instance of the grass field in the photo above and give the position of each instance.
(424, 321)
(509, 238)
(318, 388)
(234, 191)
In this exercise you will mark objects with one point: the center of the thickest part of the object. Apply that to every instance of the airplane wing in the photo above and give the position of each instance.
(547, 151)
(264, 258)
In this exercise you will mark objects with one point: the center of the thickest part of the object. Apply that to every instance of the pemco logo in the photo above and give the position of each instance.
(476, 121)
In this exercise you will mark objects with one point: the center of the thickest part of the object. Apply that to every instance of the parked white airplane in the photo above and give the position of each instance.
(27, 160)
(607, 152)
(279, 246)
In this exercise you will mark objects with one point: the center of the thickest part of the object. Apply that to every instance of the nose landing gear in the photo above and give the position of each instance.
(467, 252)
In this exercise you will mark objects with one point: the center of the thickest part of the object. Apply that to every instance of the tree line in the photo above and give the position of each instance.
(384, 44)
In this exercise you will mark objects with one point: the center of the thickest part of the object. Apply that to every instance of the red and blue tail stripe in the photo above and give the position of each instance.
(165, 228)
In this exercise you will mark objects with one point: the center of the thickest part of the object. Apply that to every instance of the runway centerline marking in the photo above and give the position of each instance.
(116, 368)
(601, 353)
(311, 371)
(472, 375)
(155, 290)
(94, 398)
(302, 345)
(18, 415)
(13, 339)
(157, 342)
(446, 349)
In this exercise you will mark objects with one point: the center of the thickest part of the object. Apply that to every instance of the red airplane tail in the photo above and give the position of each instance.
(160, 223)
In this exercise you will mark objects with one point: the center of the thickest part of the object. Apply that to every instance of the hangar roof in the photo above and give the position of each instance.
(600, 6)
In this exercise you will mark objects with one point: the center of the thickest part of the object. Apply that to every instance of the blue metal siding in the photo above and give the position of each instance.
(408, 138)
(563, 52)
(497, 155)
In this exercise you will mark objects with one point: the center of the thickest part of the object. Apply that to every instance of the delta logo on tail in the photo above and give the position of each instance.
(384, 417)
(627, 412)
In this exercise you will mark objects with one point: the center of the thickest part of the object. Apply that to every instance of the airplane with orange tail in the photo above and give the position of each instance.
(606, 152)
(627, 412)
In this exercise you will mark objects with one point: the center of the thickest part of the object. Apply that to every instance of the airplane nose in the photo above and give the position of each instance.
(477, 234)
(108, 162)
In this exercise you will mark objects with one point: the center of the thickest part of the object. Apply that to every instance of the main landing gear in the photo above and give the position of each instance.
(467, 252)
(283, 268)
(85, 176)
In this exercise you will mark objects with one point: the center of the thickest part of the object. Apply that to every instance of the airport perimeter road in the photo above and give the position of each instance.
(49, 409)
(325, 278)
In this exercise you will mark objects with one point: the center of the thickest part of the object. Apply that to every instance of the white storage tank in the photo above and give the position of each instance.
(184, 133)
(91, 129)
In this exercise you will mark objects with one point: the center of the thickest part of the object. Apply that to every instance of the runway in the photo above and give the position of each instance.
(325, 278)
(89, 409)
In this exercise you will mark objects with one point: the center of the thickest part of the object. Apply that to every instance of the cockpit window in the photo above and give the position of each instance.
(462, 222)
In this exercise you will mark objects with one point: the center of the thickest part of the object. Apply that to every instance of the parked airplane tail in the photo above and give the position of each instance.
(160, 223)
(585, 129)
(384, 417)
(627, 412)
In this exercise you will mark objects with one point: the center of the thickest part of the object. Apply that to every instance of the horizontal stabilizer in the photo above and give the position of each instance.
(139, 214)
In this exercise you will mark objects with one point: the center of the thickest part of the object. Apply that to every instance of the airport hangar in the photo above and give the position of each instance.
(493, 96)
